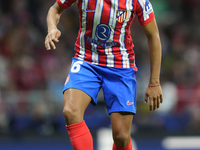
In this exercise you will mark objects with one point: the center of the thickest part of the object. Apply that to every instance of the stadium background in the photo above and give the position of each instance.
(31, 78)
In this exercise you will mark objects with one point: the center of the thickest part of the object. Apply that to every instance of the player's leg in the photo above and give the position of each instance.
(81, 88)
(75, 103)
(121, 129)
(119, 87)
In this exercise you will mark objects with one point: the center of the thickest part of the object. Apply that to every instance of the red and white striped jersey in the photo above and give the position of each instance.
(104, 37)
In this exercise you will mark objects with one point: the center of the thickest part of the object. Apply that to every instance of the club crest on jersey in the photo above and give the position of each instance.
(121, 15)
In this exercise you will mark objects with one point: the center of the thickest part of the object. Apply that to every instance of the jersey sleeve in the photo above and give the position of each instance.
(65, 3)
(144, 11)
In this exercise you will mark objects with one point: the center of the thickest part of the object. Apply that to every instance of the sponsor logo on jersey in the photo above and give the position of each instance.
(106, 44)
(103, 32)
(148, 7)
(121, 15)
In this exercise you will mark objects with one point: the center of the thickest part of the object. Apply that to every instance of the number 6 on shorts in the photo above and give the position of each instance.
(76, 66)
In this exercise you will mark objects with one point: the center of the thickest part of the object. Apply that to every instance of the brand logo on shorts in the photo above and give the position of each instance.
(129, 103)
(67, 79)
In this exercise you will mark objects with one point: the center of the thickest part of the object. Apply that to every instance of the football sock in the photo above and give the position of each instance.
(128, 147)
(80, 136)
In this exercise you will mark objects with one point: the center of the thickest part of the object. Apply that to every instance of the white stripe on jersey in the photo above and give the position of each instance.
(123, 50)
(83, 30)
(97, 20)
(112, 24)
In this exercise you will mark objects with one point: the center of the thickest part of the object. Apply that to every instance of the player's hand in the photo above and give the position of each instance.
(52, 38)
(154, 96)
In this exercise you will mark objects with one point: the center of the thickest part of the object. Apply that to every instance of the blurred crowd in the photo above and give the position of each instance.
(32, 78)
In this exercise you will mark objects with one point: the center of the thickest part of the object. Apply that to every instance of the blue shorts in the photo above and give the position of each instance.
(118, 84)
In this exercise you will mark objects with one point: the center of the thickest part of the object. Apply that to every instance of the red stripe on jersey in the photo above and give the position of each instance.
(78, 44)
(118, 58)
(104, 20)
(89, 25)
(103, 62)
(129, 43)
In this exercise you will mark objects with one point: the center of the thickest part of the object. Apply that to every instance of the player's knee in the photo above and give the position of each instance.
(66, 112)
(70, 112)
(120, 137)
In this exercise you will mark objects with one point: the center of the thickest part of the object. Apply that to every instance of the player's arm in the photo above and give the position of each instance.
(53, 18)
(153, 92)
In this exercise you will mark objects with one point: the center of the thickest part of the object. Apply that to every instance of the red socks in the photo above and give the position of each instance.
(80, 136)
(128, 147)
